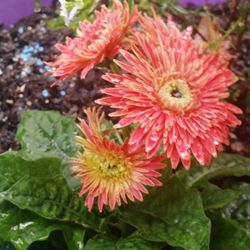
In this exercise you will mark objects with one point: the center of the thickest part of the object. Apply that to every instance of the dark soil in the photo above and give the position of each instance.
(24, 85)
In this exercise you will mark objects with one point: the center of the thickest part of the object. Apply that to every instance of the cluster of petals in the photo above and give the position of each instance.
(174, 90)
(95, 42)
(109, 171)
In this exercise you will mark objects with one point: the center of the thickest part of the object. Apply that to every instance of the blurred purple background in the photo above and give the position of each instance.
(13, 10)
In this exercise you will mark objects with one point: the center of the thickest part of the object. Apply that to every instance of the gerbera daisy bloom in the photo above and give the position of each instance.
(174, 91)
(110, 171)
(95, 42)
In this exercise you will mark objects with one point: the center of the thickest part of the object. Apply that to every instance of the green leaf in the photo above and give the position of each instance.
(49, 134)
(214, 197)
(227, 236)
(13, 169)
(56, 23)
(21, 227)
(74, 239)
(39, 186)
(171, 214)
(5, 245)
(231, 225)
(239, 209)
(136, 242)
(133, 242)
(223, 165)
(46, 134)
(100, 243)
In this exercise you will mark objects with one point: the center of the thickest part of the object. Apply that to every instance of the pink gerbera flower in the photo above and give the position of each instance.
(174, 91)
(95, 42)
(112, 172)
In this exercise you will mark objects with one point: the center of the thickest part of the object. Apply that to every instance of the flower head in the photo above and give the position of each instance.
(174, 91)
(110, 171)
(95, 41)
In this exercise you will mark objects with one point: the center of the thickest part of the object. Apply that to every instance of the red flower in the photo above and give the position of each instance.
(174, 91)
(95, 42)
(110, 171)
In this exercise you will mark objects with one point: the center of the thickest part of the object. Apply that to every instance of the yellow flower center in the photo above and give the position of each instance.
(176, 95)
(108, 165)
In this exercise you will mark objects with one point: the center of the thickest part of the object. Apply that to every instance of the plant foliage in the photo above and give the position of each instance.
(188, 212)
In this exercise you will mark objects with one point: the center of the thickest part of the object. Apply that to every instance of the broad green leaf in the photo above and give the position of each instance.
(231, 225)
(13, 169)
(46, 134)
(39, 186)
(74, 239)
(226, 235)
(22, 227)
(134, 242)
(239, 209)
(5, 245)
(223, 165)
(100, 243)
(214, 197)
(172, 214)
(49, 134)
